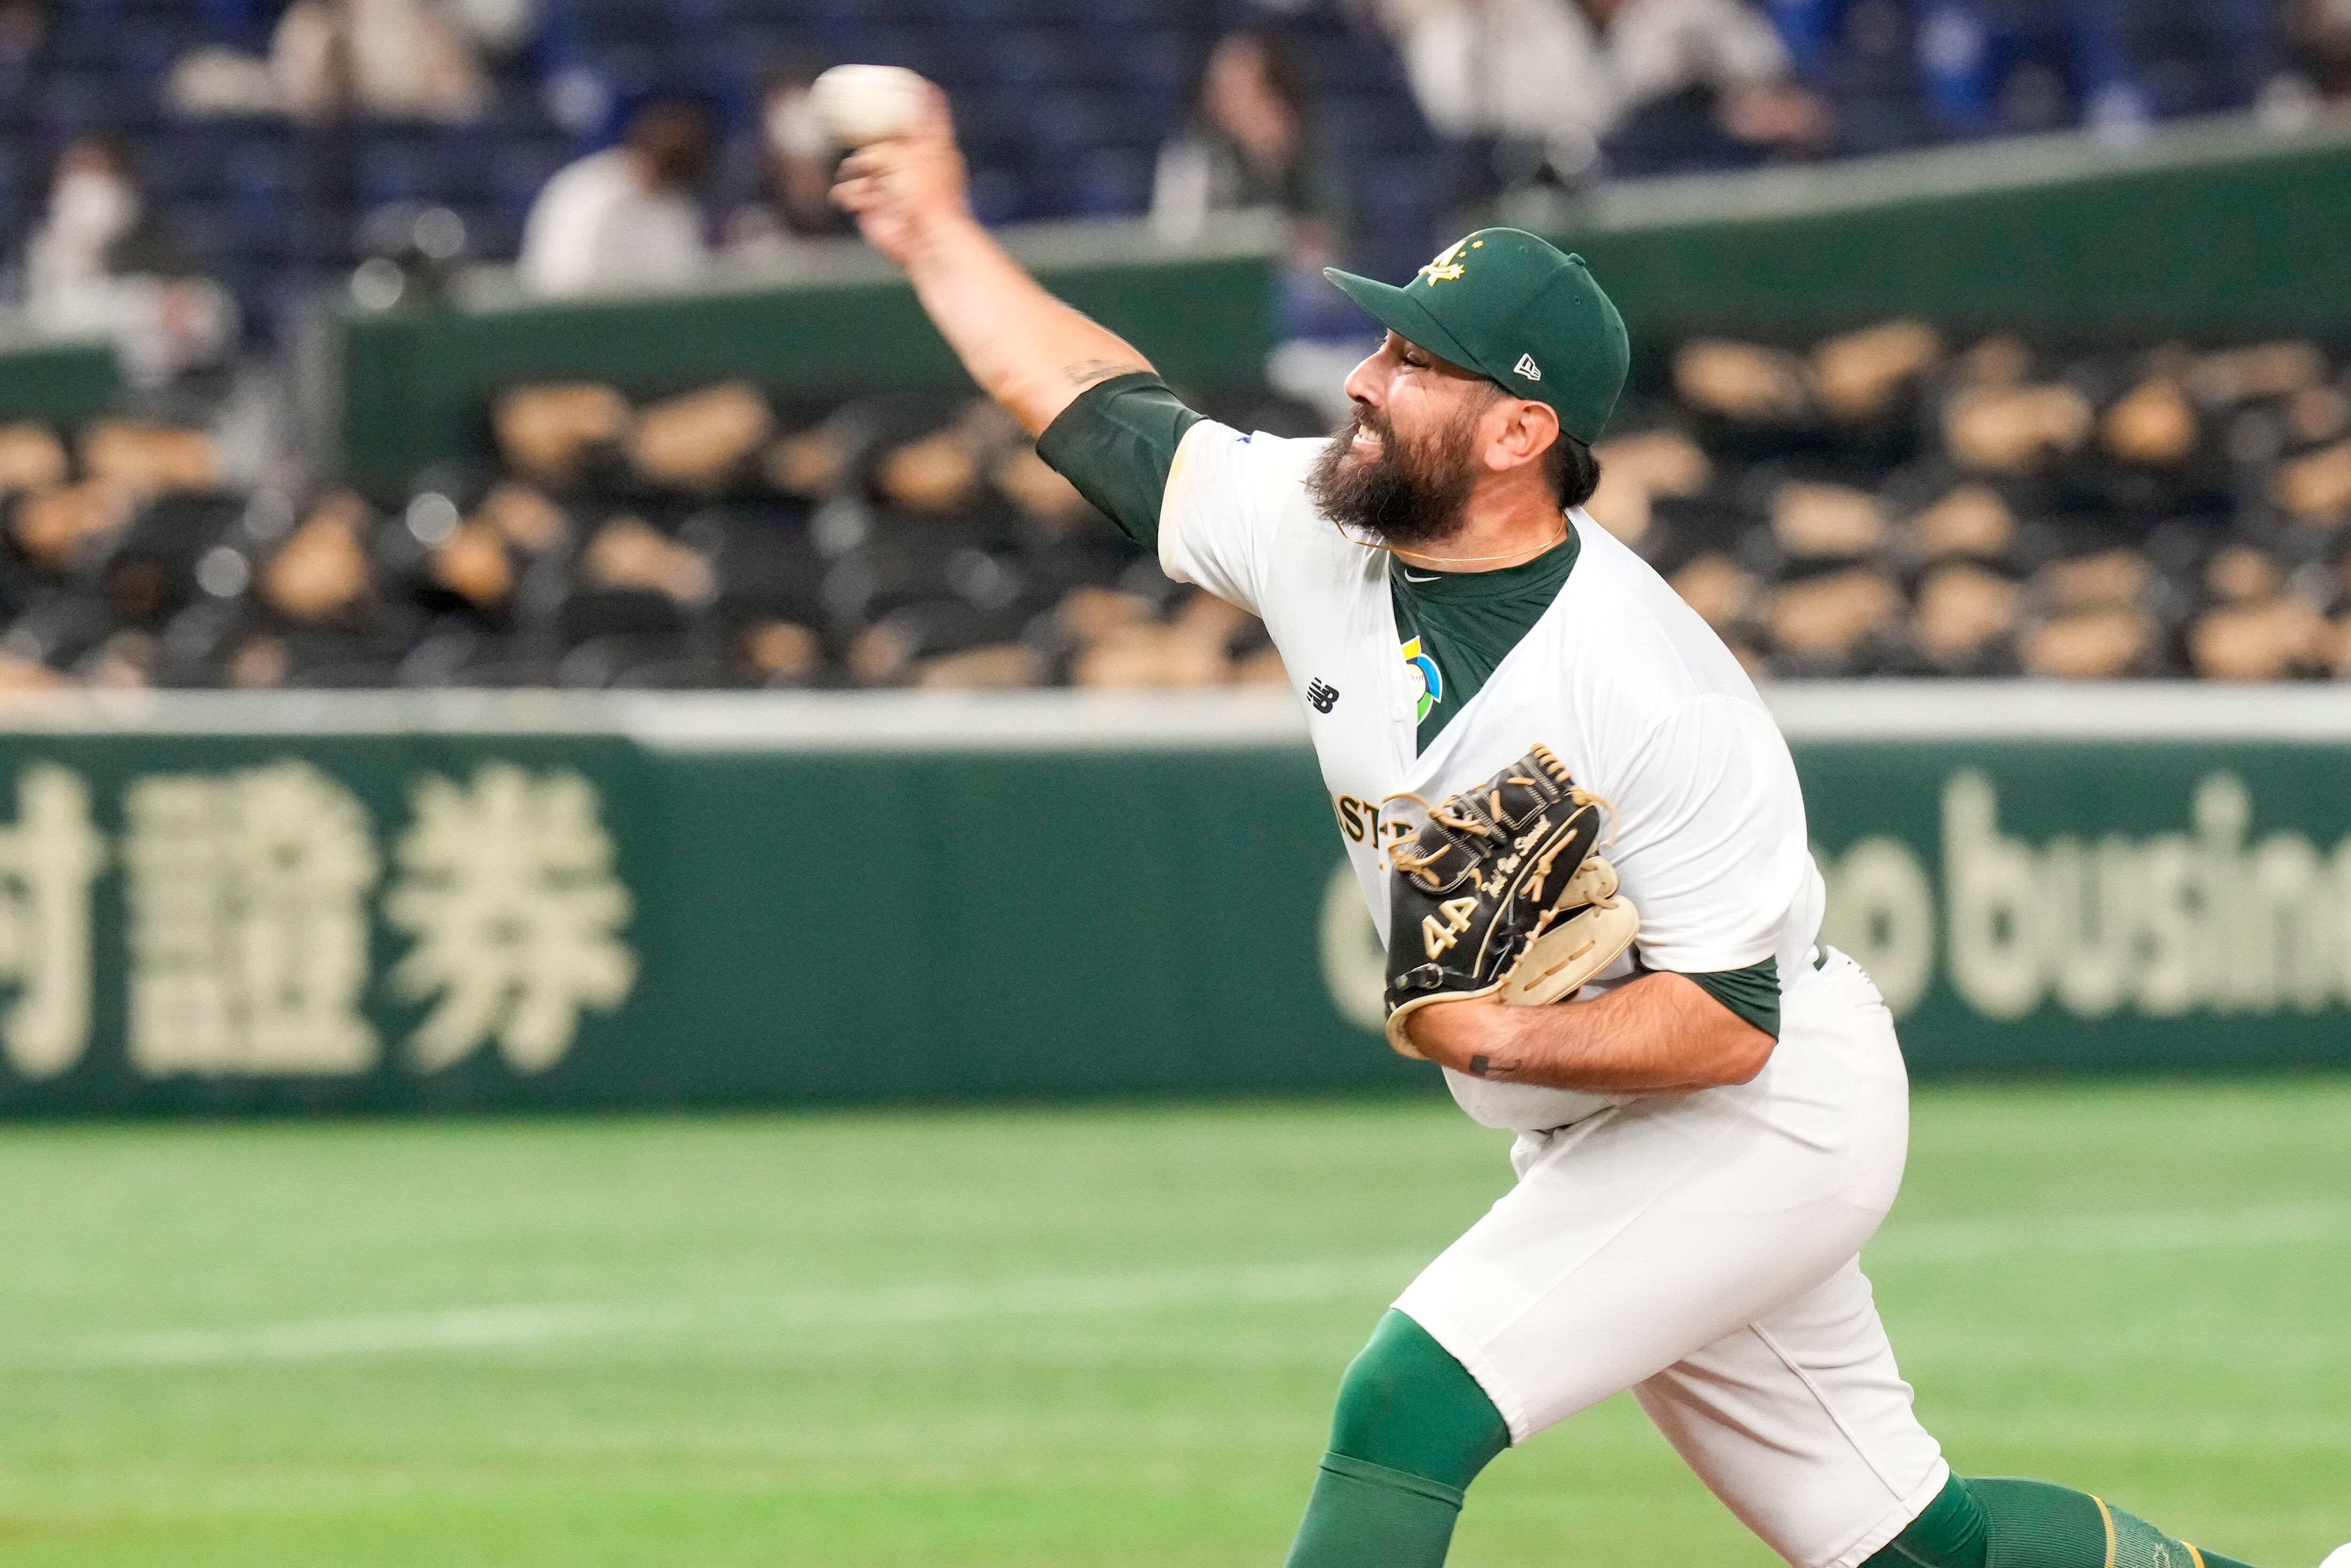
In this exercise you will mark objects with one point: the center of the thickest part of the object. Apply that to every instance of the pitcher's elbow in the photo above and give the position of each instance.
(1746, 1055)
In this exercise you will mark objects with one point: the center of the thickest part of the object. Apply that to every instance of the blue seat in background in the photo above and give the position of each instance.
(1369, 124)
(19, 189)
(994, 127)
(79, 102)
(1039, 59)
(259, 169)
(1129, 16)
(200, 230)
(268, 223)
(493, 232)
(463, 158)
(727, 80)
(401, 169)
(1065, 126)
(81, 44)
(519, 169)
(1156, 65)
(1348, 67)
(1115, 183)
(837, 15)
(196, 155)
(1000, 197)
(1396, 201)
(920, 50)
(1010, 13)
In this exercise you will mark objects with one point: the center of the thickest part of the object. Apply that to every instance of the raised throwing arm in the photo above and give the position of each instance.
(1027, 350)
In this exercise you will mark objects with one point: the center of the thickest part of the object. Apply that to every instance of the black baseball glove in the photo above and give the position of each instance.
(1500, 892)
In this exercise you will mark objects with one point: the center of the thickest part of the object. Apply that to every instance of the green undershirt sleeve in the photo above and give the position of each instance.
(1753, 993)
(1117, 444)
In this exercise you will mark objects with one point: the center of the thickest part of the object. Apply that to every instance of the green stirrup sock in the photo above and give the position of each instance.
(1949, 1534)
(1368, 1516)
(2036, 1525)
(2031, 1524)
(1412, 1430)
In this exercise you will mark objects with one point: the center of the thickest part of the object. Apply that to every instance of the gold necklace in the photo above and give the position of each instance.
(1413, 558)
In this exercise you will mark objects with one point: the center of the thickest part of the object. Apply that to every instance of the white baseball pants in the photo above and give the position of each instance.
(1703, 1251)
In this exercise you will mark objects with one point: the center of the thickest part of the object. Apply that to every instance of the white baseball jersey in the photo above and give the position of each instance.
(1696, 1248)
(1620, 678)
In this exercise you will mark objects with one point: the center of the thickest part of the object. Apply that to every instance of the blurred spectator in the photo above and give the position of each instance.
(2319, 45)
(401, 59)
(1516, 80)
(23, 40)
(626, 217)
(1250, 147)
(1534, 86)
(330, 59)
(498, 28)
(791, 191)
(216, 80)
(98, 266)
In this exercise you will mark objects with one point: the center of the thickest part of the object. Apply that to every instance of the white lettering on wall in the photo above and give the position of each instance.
(48, 857)
(507, 887)
(247, 895)
(2214, 919)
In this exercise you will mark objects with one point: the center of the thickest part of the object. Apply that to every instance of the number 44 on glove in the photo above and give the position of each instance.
(1499, 894)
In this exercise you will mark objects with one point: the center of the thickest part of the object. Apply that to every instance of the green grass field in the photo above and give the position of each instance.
(1058, 1338)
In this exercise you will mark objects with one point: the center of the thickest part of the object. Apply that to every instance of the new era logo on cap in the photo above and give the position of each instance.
(1528, 368)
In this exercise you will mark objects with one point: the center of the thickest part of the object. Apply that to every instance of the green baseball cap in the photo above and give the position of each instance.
(1515, 307)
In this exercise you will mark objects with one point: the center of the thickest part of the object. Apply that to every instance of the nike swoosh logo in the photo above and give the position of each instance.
(1432, 578)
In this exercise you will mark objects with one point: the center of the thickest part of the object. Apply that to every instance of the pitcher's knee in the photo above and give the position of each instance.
(1406, 1403)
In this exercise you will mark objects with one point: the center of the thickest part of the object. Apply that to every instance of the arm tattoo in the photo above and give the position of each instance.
(1090, 372)
(1486, 1067)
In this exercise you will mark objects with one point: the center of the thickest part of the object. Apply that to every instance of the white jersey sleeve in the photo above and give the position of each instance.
(1710, 799)
(1228, 495)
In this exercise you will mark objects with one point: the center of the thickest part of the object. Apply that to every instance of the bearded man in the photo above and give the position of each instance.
(1709, 1133)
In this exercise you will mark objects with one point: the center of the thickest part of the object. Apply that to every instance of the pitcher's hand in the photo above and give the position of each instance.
(903, 188)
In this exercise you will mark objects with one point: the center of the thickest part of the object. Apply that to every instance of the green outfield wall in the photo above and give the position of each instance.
(212, 902)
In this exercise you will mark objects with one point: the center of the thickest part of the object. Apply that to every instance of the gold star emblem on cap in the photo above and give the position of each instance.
(1443, 269)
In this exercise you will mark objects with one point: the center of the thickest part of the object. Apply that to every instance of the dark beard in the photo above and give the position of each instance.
(1409, 497)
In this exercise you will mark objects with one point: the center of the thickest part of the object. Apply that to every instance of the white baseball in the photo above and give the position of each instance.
(2339, 1558)
(858, 104)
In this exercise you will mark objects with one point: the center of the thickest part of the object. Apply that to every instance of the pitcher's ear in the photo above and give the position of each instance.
(1527, 431)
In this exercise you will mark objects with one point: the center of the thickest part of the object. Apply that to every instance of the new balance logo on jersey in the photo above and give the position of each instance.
(1528, 368)
(1322, 695)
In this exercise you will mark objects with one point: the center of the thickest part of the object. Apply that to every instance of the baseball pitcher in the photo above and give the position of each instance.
(1584, 840)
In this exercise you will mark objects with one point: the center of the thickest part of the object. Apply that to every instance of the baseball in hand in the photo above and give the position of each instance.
(858, 104)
